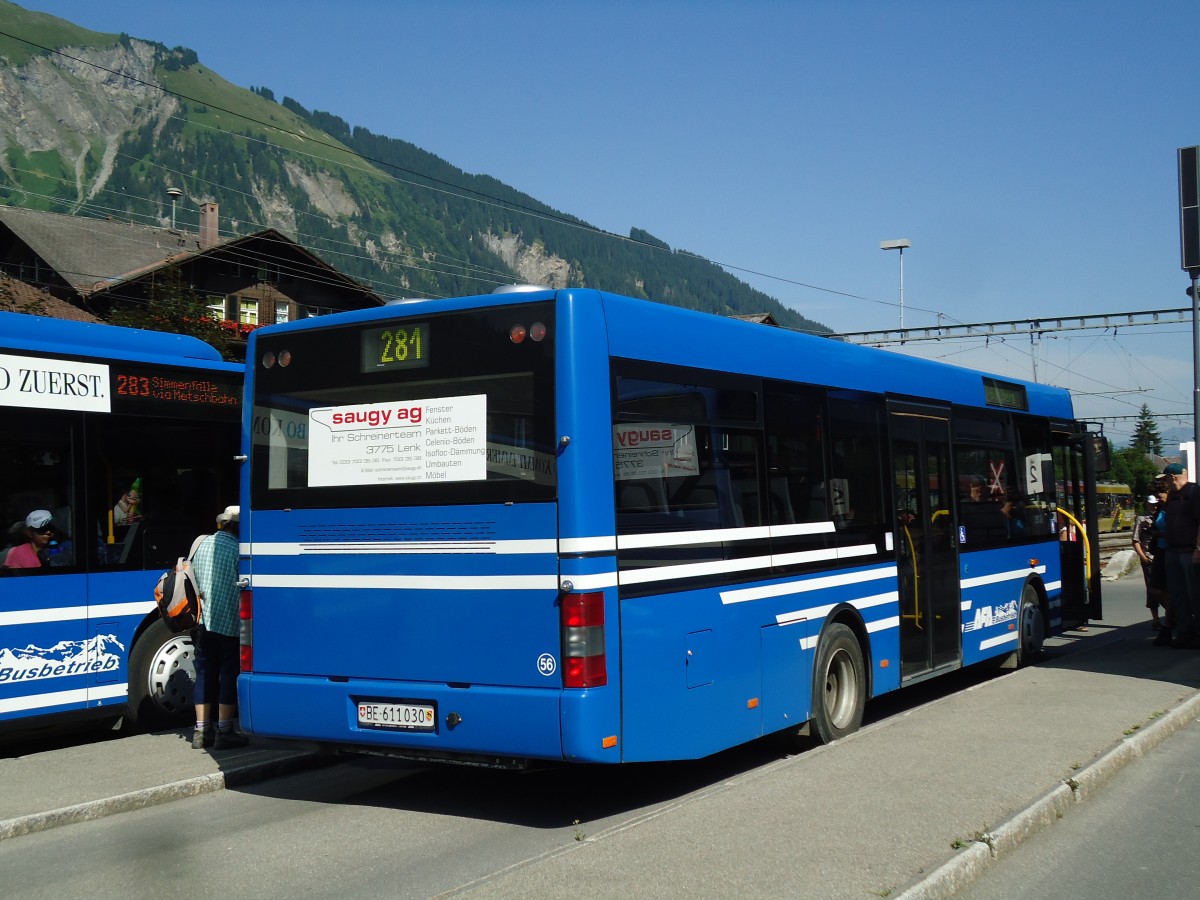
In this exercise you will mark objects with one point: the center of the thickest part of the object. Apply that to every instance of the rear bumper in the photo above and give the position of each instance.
(493, 721)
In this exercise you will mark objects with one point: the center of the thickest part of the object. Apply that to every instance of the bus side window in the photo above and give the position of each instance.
(795, 459)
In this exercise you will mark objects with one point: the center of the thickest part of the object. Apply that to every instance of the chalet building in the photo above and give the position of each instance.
(250, 280)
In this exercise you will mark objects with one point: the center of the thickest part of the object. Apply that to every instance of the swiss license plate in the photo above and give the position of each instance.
(397, 716)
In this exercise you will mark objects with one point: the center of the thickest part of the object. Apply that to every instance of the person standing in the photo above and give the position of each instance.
(1144, 546)
(215, 563)
(1182, 521)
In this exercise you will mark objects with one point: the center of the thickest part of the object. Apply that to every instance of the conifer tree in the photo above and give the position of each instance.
(1145, 434)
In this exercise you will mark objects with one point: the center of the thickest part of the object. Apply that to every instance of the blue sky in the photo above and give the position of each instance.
(1026, 148)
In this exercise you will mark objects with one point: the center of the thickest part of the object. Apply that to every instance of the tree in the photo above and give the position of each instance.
(1134, 467)
(1145, 434)
(173, 307)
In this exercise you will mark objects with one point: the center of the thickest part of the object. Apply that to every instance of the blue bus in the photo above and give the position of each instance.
(569, 525)
(117, 447)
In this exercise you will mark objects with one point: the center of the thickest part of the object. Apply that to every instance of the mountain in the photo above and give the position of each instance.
(103, 124)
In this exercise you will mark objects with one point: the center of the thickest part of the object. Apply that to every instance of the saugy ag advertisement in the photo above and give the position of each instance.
(414, 441)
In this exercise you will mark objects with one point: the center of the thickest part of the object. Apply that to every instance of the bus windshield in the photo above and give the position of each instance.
(450, 409)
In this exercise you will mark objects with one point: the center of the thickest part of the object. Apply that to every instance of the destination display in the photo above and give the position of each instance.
(396, 346)
(154, 390)
(413, 442)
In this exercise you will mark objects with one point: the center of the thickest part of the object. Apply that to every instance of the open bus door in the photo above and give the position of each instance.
(1079, 455)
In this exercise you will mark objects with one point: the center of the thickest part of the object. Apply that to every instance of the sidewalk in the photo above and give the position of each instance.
(90, 781)
(914, 805)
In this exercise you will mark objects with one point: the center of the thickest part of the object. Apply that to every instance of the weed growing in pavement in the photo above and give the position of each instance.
(1130, 730)
(1073, 785)
(579, 835)
(959, 844)
(1076, 766)
(985, 837)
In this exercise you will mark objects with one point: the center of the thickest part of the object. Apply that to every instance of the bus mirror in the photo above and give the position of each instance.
(1100, 452)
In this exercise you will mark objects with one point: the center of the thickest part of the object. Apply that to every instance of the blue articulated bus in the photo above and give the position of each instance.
(117, 447)
(569, 525)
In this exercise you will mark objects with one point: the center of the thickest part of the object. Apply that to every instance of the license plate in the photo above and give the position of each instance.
(396, 716)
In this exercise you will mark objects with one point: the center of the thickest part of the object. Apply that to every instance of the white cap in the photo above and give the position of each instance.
(39, 518)
(231, 514)
(1151, 499)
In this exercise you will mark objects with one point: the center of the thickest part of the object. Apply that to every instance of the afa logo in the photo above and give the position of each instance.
(33, 663)
(987, 616)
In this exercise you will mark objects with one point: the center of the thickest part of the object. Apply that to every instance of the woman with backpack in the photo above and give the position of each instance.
(216, 637)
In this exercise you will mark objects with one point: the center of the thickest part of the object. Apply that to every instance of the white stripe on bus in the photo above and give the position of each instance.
(411, 582)
(58, 698)
(998, 577)
(72, 613)
(818, 583)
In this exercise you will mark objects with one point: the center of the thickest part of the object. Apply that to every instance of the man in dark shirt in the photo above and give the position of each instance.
(1183, 554)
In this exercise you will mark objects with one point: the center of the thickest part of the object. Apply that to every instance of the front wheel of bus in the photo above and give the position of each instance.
(162, 677)
(1033, 626)
(839, 685)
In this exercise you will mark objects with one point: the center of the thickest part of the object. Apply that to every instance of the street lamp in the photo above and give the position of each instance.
(174, 194)
(900, 245)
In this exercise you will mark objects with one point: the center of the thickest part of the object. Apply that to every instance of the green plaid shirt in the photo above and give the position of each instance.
(216, 568)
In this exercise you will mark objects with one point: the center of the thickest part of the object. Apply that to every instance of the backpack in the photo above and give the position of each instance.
(177, 595)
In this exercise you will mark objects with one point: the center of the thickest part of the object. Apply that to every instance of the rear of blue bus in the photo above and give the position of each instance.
(401, 544)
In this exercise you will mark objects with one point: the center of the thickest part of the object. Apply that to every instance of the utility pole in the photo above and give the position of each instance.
(1189, 247)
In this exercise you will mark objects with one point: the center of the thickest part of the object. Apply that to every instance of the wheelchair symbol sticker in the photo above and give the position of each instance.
(546, 664)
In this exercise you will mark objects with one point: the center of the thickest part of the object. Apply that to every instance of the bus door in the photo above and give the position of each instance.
(925, 540)
(1078, 456)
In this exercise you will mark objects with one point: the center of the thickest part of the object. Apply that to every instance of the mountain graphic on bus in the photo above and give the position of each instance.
(101, 653)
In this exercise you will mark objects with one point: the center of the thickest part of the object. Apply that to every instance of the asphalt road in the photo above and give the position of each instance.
(1139, 838)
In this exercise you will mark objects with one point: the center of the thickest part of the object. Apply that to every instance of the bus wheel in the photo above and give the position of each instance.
(162, 676)
(839, 685)
(1033, 626)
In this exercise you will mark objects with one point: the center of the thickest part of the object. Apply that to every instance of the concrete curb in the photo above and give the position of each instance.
(966, 865)
(237, 776)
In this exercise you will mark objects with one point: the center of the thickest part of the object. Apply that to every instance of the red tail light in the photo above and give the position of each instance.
(584, 663)
(246, 629)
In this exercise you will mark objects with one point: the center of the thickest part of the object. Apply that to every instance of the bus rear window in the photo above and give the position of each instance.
(436, 409)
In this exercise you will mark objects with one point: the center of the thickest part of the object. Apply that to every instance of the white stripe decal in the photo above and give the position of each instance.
(33, 616)
(1054, 585)
(1010, 638)
(57, 698)
(999, 577)
(75, 613)
(820, 612)
(588, 545)
(411, 582)
(720, 535)
(819, 583)
(545, 545)
(693, 570)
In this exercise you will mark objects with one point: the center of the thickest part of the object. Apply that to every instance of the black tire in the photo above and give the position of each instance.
(162, 679)
(839, 685)
(1031, 623)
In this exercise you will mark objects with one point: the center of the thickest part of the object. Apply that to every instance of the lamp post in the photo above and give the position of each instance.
(900, 245)
(174, 194)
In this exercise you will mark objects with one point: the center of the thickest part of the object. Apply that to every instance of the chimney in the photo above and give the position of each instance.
(209, 232)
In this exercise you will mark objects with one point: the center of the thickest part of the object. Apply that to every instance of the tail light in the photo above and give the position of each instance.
(246, 629)
(584, 664)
